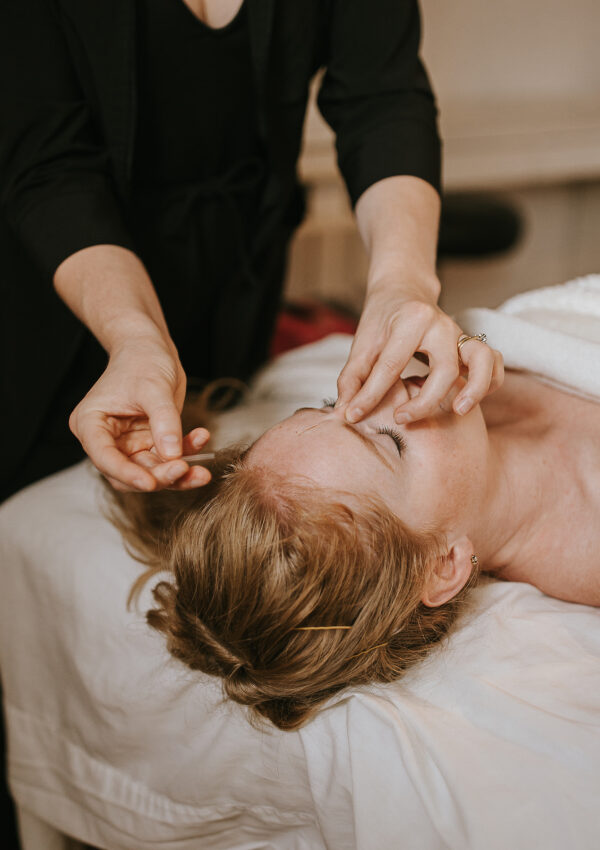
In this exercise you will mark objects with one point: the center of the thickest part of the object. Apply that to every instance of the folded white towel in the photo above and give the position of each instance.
(552, 332)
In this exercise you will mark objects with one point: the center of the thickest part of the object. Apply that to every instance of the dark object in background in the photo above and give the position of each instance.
(302, 322)
(476, 225)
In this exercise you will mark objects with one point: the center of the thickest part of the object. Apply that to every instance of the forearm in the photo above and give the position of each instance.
(398, 219)
(109, 290)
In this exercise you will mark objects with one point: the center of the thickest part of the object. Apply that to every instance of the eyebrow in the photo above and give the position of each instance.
(364, 440)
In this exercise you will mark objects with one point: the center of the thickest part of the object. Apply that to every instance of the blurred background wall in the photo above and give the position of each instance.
(518, 87)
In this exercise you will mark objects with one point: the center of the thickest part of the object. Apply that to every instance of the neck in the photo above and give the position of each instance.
(514, 504)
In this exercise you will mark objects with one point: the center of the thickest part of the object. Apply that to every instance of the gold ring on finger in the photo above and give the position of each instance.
(465, 338)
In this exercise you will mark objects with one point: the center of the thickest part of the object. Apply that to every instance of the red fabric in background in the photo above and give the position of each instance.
(302, 322)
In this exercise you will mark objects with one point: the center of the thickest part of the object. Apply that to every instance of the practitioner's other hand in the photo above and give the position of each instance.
(395, 324)
(130, 421)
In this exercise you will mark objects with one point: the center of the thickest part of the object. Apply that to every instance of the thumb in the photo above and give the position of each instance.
(165, 426)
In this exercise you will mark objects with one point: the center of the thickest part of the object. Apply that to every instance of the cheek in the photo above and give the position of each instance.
(442, 462)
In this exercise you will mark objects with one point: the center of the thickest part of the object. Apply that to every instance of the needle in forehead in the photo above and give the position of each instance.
(365, 441)
(310, 428)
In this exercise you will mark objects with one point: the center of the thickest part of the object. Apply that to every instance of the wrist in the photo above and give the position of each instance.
(408, 281)
(133, 330)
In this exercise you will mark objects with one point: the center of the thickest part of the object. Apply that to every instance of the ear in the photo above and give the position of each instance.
(450, 574)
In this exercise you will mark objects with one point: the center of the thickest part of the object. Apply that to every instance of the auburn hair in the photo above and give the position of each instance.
(253, 559)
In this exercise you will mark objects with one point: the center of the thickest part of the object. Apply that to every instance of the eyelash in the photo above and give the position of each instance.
(396, 437)
(390, 432)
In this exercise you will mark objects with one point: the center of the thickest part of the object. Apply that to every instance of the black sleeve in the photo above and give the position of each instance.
(376, 95)
(56, 188)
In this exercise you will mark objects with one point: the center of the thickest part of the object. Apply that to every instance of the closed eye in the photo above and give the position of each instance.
(396, 437)
(390, 432)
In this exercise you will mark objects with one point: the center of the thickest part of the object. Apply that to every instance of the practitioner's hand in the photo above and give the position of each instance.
(129, 423)
(394, 325)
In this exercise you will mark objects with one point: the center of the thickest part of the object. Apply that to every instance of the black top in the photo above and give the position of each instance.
(197, 111)
(68, 135)
(68, 89)
(197, 171)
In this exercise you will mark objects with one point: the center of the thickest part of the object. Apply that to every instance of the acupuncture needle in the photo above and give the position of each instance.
(195, 460)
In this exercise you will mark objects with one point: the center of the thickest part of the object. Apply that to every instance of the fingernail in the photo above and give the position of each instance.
(402, 418)
(354, 414)
(463, 406)
(141, 484)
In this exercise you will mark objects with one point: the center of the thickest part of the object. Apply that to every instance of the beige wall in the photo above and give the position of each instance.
(519, 49)
(518, 85)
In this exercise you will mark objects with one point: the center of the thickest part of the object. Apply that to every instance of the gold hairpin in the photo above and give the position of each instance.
(370, 649)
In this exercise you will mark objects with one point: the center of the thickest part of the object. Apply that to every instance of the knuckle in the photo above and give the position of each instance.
(423, 312)
(348, 385)
(397, 322)
(390, 365)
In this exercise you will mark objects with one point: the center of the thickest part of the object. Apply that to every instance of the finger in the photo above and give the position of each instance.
(165, 424)
(148, 459)
(198, 476)
(196, 439)
(99, 444)
(355, 372)
(485, 368)
(166, 474)
(479, 360)
(435, 389)
(172, 477)
(117, 485)
(133, 442)
(385, 373)
(498, 373)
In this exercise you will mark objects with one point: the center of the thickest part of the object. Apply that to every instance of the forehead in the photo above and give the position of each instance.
(317, 445)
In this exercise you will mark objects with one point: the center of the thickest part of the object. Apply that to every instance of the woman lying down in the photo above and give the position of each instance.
(329, 555)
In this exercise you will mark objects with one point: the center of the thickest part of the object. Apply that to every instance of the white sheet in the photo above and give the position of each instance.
(493, 742)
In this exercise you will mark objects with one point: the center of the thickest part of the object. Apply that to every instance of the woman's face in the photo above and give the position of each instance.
(431, 473)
